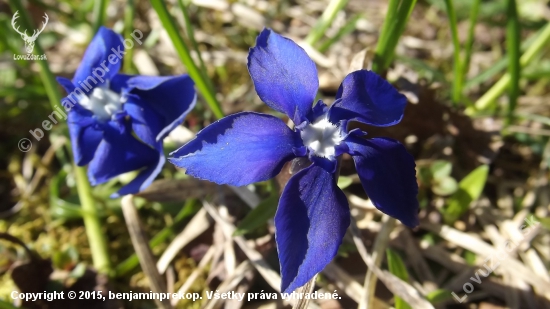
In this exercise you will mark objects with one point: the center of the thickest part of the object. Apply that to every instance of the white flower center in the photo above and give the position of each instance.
(103, 102)
(321, 137)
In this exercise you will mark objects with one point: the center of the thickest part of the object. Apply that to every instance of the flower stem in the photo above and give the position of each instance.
(98, 243)
(92, 224)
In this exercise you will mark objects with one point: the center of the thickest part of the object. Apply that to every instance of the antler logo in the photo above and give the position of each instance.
(29, 40)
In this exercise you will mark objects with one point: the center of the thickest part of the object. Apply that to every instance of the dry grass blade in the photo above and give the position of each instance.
(380, 245)
(254, 256)
(347, 284)
(307, 288)
(230, 284)
(394, 284)
(170, 190)
(195, 274)
(476, 245)
(194, 228)
(257, 260)
(140, 243)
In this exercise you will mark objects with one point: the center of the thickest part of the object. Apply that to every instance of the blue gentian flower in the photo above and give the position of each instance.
(117, 122)
(313, 213)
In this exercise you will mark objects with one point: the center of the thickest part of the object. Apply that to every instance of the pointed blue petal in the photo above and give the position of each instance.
(85, 134)
(120, 152)
(158, 104)
(119, 83)
(66, 84)
(283, 75)
(143, 179)
(387, 172)
(239, 149)
(368, 98)
(96, 58)
(310, 223)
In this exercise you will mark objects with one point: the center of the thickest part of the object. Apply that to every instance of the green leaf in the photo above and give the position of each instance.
(469, 190)
(66, 258)
(438, 296)
(344, 182)
(545, 222)
(6, 305)
(258, 216)
(397, 267)
(441, 168)
(445, 186)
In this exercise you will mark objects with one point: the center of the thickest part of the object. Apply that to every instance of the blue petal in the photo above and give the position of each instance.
(366, 97)
(284, 76)
(106, 42)
(66, 84)
(85, 134)
(239, 149)
(119, 83)
(120, 152)
(143, 180)
(158, 104)
(310, 223)
(387, 172)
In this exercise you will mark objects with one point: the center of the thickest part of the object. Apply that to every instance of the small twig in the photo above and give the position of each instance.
(145, 256)
(380, 244)
(194, 228)
(306, 288)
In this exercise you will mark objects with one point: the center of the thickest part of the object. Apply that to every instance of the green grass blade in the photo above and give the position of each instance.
(191, 36)
(128, 65)
(465, 64)
(500, 65)
(100, 12)
(185, 56)
(397, 267)
(470, 39)
(394, 25)
(487, 100)
(457, 85)
(385, 33)
(512, 44)
(259, 215)
(347, 29)
(438, 296)
(325, 21)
